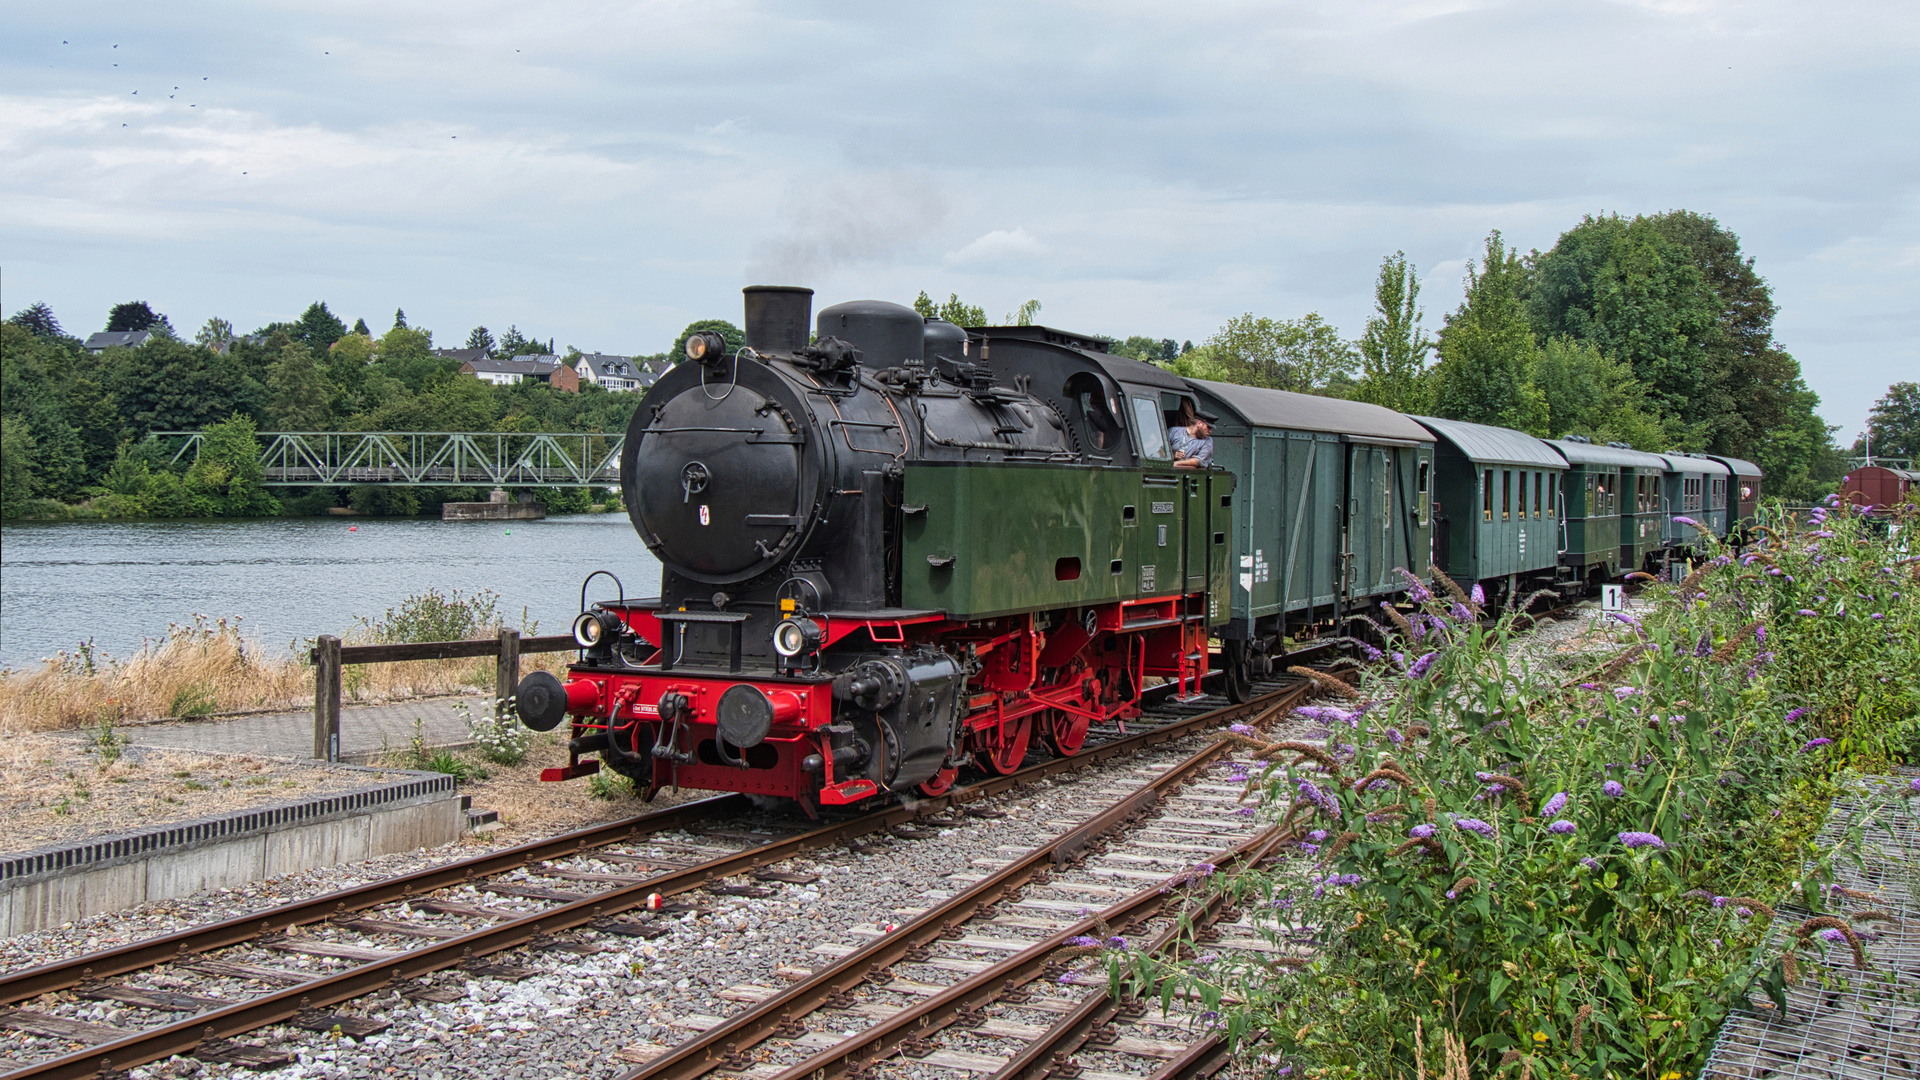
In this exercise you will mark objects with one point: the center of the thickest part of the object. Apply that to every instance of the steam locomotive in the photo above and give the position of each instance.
(894, 548)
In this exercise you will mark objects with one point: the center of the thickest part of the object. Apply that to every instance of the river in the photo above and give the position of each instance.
(120, 583)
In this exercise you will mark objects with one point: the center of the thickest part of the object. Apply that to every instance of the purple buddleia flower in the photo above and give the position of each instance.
(1116, 942)
(1590, 862)
(1244, 811)
(1474, 825)
(1372, 653)
(1705, 646)
(1833, 935)
(1449, 894)
(1553, 806)
(1420, 666)
(1809, 612)
(1642, 839)
(1612, 789)
(1591, 686)
(1312, 793)
(1318, 836)
(1914, 785)
(1623, 617)
(1796, 714)
(1824, 534)
(1400, 660)
(1563, 827)
(1084, 942)
(1417, 591)
(1760, 635)
(1460, 612)
(1678, 520)
(1811, 743)
(1325, 714)
(1478, 595)
(1241, 729)
(1310, 849)
(1420, 832)
(1394, 736)
(1719, 901)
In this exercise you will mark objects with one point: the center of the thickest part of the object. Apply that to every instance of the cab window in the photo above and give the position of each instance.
(1147, 428)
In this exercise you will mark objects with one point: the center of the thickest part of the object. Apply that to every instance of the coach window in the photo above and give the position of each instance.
(1506, 494)
(1539, 484)
(1148, 429)
(1424, 476)
(1486, 497)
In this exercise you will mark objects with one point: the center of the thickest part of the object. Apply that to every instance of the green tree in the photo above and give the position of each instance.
(514, 343)
(1893, 427)
(18, 483)
(228, 476)
(731, 334)
(360, 327)
(300, 395)
(1137, 347)
(399, 318)
(1487, 349)
(953, 310)
(1301, 354)
(1025, 316)
(318, 328)
(1394, 348)
(481, 339)
(1588, 394)
(217, 334)
(37, 319)
(134, 315)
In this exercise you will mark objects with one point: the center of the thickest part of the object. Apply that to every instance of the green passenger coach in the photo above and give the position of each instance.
(1497, 516)
(1612, 508)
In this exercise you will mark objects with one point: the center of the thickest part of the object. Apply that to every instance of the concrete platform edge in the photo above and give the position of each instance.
(48, 886)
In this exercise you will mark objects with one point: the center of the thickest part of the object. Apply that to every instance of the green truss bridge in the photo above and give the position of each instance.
(428, 458)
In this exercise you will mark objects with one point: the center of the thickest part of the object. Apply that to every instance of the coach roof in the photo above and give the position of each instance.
(1259, 407)
(1586, 453)
(1496, 445)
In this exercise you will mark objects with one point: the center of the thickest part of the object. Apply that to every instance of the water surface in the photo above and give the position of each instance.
(122, 582)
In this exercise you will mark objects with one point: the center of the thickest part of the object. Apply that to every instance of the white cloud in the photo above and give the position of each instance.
(995, 246)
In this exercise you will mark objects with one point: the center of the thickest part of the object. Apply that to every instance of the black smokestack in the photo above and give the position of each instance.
(778, 317)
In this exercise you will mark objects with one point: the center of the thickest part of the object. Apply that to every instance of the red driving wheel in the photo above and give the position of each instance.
(1002, 750)
(1066, 732)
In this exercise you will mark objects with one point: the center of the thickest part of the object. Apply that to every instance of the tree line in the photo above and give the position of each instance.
(1654, 331)
(76, 428)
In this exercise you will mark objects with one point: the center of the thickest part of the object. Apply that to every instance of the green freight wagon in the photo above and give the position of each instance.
(1496, 520)
(1332, 499)
(1611, 497)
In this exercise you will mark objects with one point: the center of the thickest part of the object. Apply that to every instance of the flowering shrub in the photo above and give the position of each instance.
(1559, 868)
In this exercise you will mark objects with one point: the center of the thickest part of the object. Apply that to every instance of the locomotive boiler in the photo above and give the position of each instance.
(889, 552)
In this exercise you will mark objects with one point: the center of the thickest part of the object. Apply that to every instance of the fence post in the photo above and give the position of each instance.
(506, 677)
(326, 697)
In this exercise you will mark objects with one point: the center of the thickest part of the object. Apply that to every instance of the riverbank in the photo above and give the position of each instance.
(117, 588)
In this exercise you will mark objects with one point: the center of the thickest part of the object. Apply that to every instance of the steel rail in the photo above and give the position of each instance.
(183, 1037)
(695, 1057)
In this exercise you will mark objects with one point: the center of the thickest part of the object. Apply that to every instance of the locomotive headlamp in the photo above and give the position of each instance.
(795, 636)
(706, 347)
(595, 629)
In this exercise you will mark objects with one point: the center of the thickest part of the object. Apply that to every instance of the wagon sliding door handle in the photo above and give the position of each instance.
(939, 560)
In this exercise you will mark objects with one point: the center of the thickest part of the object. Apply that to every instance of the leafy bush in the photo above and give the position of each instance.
(434, 616)
(1570, 874)
(610, 786)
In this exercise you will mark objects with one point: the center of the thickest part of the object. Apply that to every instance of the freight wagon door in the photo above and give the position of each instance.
(1312, 534)
(1267, 499)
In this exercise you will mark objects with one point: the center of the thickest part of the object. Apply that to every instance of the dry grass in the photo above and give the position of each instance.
(207, 669)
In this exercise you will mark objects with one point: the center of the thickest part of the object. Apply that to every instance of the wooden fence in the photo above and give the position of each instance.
(330, 658)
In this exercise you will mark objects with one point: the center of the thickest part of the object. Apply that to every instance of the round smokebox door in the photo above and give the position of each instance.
(717, 482)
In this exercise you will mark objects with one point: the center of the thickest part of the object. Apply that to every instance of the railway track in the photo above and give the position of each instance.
(533, 896)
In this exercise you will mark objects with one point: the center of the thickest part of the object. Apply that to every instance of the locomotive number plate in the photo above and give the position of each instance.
(1163, 508)
(1146, 579)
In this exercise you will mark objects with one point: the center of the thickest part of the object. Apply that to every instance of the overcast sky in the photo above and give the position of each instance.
(604, 173)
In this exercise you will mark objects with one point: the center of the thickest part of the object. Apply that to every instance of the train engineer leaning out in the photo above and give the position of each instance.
(1192, 443)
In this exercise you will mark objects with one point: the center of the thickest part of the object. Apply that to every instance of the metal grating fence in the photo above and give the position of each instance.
(1842, 1023)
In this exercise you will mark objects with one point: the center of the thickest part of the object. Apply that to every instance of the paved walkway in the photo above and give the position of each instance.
(365, 730)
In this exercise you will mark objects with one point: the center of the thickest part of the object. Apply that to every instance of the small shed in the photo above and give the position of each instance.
(1497, 516)
(1878, 485)
(1612, 506)
(1332, 497)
